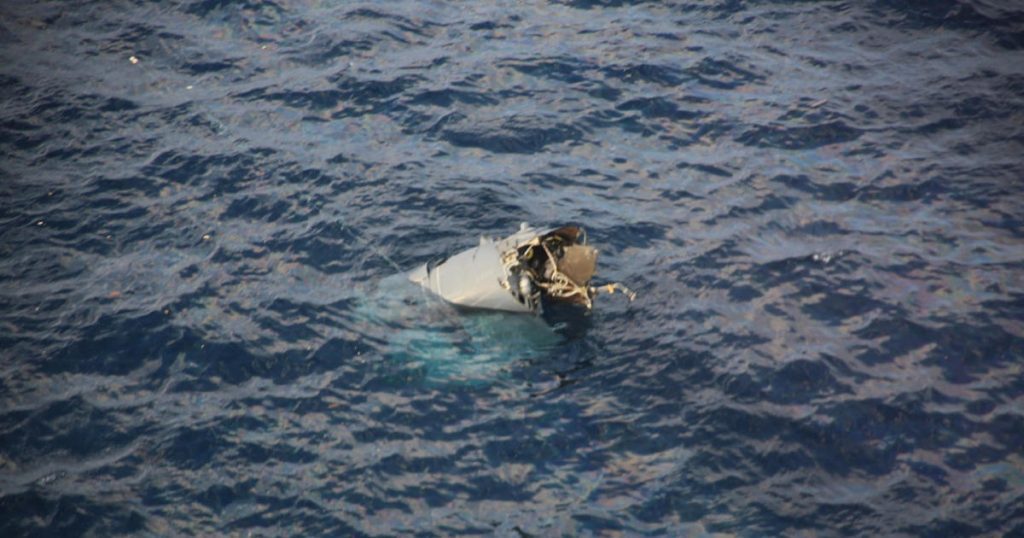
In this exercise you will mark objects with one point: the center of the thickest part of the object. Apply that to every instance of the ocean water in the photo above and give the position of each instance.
(205, 207)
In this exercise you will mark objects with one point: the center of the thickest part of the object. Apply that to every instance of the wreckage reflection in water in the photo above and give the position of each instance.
(426, 339)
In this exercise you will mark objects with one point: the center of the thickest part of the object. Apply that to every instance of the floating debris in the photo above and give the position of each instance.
(825, 257)
(520, 272)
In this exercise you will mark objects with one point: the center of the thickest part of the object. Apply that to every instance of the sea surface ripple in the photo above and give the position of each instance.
(204, 205)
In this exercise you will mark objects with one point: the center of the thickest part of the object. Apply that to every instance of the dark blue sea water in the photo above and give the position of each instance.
(204, 206)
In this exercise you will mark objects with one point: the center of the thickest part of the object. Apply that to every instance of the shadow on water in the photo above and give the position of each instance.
(426, 340)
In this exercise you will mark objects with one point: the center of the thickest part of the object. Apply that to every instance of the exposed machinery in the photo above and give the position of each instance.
(519, 273)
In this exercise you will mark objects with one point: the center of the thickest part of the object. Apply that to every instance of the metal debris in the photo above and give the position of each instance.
(520, 273)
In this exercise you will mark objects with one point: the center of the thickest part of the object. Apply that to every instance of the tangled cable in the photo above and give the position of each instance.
(552, 281)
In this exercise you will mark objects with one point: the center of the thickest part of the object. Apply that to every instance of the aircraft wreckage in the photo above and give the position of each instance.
(520, 273)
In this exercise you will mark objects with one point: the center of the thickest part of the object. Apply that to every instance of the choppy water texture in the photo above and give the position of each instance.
(820, 205)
